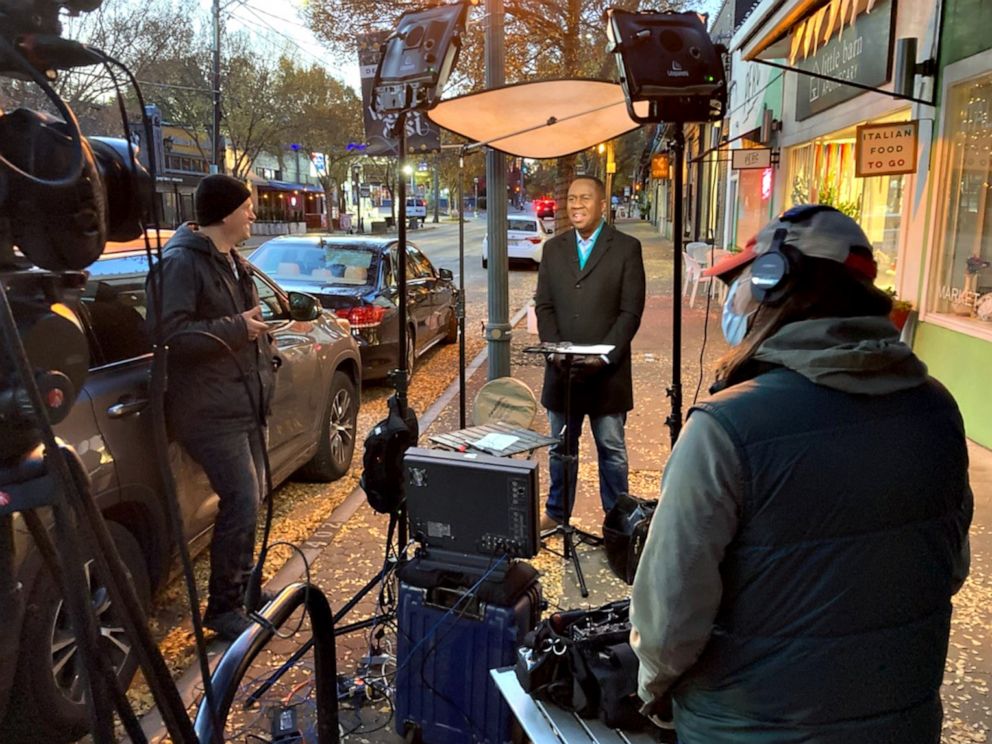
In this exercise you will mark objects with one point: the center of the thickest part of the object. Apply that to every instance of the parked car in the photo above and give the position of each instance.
(355, 277)
(311, 430)
(524, 239)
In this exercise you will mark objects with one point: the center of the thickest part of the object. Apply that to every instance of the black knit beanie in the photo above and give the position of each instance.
(217, 196)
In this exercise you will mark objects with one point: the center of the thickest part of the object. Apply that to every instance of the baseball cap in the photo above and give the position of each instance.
(815, 230)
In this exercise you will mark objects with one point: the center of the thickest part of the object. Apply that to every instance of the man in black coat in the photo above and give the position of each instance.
(590, 290)
(221, 376)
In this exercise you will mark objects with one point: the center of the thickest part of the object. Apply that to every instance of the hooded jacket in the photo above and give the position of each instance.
(208, 390)
(795, 584)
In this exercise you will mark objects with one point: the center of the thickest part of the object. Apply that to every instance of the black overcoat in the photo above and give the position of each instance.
(601, 304)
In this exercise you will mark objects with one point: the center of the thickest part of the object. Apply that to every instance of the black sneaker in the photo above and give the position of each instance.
(228, 625)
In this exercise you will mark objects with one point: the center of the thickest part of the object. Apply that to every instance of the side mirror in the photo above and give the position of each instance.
(446, 274)
(303, 306)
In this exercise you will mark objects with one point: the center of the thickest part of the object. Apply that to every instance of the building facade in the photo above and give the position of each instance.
(926, 210)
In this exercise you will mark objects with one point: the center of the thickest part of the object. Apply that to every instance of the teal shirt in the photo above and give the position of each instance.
(585, 246)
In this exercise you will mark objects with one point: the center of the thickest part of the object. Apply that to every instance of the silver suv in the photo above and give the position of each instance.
(312, 430)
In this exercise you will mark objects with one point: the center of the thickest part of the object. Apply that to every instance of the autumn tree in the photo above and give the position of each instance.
(322, 115)
(140, 35)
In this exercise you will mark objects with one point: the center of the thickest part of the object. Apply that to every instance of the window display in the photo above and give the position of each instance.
(823, 172)
(962, 283)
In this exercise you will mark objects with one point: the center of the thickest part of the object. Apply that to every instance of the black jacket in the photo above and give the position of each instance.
(206, 391)
(601, 304)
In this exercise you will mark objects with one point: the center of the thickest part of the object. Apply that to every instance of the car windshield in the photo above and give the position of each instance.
(525, 225)
(327, 263)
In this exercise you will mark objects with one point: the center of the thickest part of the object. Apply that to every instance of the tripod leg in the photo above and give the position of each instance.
(570, 552)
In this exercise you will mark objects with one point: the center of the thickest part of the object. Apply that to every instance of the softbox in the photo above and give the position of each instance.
(668, 60)
(418, 58)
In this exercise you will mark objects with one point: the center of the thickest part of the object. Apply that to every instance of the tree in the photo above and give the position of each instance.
(565, 39)
(140, 35)
(322, 115)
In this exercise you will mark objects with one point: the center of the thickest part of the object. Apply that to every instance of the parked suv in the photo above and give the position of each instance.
(311, 430)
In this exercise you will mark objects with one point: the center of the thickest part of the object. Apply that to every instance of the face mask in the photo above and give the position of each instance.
(735, 320)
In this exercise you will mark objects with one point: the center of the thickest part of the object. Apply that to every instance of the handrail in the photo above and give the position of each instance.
(239, 656)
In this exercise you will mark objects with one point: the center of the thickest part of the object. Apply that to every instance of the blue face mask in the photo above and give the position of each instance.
(733, 324)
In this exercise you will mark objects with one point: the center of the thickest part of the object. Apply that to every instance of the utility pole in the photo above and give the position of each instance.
(498, 326)
(216, 166)
(437, 191)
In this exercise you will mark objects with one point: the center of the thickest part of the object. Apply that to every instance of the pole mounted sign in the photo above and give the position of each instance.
(659, 166)
(751, 158)
(886, 149)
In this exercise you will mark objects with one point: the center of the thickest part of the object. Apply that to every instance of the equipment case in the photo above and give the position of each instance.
(443, 686)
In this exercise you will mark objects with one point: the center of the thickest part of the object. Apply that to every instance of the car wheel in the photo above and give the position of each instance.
(47, 702)
(452, 332)
(336, 444)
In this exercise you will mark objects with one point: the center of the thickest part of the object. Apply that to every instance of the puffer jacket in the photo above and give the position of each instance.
(206, 391)
(796, 581)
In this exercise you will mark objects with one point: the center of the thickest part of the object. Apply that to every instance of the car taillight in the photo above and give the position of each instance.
(362, 316)
(535, 240)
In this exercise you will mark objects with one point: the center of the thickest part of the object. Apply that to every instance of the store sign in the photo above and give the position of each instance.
(659, 166)
(748, 158)
(857, 51)
(886, 149)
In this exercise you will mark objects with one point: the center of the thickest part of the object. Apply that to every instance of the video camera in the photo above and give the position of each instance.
(62, 196)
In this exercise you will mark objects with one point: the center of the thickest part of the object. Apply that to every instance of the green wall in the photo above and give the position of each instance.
(964, 365)
(966, 29)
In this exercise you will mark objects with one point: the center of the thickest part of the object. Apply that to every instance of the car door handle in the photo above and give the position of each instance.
(127, 407)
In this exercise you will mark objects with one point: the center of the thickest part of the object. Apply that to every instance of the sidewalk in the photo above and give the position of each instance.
(355, 536)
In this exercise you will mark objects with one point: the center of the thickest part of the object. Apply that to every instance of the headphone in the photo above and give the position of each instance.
(770, 272)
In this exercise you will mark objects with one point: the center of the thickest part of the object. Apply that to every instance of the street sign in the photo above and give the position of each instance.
(886, 149)
(751, 158)
(365, 190)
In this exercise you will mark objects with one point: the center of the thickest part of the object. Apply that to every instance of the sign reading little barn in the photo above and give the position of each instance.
(836, 44)
(886, 149)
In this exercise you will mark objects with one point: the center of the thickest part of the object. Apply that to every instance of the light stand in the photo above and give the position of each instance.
(461, 289)
(668, 60)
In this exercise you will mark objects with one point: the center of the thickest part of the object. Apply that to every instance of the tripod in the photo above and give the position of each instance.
(567, 531)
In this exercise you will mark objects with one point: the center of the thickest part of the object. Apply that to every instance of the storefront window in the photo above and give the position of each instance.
(962, 284)
(823, 172)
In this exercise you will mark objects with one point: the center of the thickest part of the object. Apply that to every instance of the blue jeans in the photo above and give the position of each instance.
(608, 431)
(234, 466)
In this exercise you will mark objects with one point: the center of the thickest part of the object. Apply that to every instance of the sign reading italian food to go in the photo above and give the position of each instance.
(886, 149)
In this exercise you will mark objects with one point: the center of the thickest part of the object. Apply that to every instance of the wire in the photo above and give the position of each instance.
(306, 567)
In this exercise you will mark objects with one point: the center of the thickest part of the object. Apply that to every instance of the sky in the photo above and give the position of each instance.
(280, 25)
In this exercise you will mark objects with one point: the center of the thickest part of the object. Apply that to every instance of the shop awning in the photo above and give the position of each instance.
(798, 29)
(290, 186)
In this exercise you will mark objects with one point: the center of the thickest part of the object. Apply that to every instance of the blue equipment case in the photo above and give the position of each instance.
(443, 685)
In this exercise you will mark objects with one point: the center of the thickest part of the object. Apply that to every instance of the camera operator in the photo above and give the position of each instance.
(211, 410)
(796, 582)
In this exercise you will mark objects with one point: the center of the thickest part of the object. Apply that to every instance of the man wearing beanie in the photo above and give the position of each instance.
(216, 405)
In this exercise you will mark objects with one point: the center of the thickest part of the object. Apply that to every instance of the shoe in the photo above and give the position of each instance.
(548, 522)
(228, 625)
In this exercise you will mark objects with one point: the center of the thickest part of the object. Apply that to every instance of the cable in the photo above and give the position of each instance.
(254, 615)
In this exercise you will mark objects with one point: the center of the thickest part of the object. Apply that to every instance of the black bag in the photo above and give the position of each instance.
(625, 529)
(382, 474)
(582, 661)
